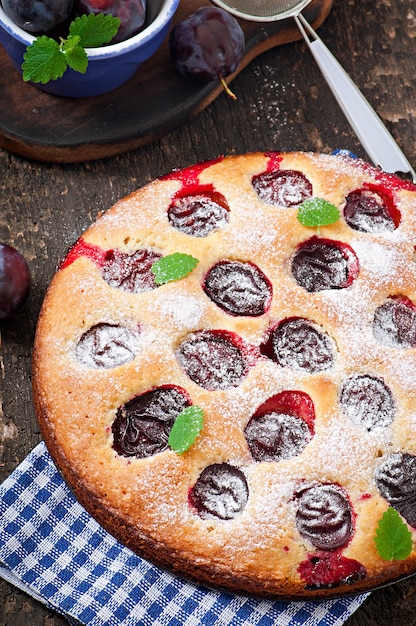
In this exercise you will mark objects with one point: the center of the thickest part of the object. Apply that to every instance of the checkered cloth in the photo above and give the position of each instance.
(53, 550)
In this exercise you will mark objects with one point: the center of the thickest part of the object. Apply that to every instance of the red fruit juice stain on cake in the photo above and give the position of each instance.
(143, 424)
(221, 491)
(389, 181)
(83, 249)
(300, 344)
(394, 183)
(372, 209)
(239, 288)
(324, 515)
(216, 359)
(198, 211)
(367, 401)
(396, 480)
(281, 427)
(126, 271)
(189, 176)
(320, 264)
(394, 322)
(274, 160)
(327, 570)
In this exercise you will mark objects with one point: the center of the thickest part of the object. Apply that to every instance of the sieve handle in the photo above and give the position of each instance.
(370, 130)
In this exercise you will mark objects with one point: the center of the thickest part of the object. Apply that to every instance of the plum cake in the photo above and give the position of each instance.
(224, 373)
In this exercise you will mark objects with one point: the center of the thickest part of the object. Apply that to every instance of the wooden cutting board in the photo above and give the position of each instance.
(156, 99)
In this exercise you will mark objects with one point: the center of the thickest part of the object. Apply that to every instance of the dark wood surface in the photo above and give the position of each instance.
(283, 103)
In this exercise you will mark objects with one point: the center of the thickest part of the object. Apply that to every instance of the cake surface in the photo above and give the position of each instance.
(296, 345)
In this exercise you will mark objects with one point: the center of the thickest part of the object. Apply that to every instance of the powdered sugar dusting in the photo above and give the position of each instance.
(107, 345)
(401, 368)
(411, 426)
(339, 449)
(184, 310)
(381, 261)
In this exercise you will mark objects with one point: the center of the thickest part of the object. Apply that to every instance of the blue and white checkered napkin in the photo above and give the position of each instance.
(53, 550)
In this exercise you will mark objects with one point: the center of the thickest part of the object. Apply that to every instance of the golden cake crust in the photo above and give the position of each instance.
(144, 502)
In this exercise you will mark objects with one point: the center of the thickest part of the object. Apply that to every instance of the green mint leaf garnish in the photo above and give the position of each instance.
(173, 267)
(43, 61)
(317, 212)
(76, 57)
(186, 429)
(94, 30)
(46, 59)
(393, 538)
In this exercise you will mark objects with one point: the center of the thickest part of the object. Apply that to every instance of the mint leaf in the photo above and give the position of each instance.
(77, 59)
(69, 44)
(46, 59)
(317, 212)
(393, 538)
(173, 267)
(186, 429)
(43, 61)
(94, 30)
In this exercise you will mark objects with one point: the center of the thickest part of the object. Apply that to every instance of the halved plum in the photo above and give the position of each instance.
(324, 515)
(198, 213)
(394, 322)
(107, 345)
(130, 272)
(143, 424)
(396, 480)
(301, 344)
(221, 491)
(240, 288)
(368, 401)
(371, 209)
(320, 264)
(326, 570)
(281, 427)
(285, 188)
(214, 359)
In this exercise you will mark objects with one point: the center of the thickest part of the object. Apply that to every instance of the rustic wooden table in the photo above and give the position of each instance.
(283, 103)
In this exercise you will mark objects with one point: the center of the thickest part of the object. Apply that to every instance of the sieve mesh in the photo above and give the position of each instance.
(263, 10)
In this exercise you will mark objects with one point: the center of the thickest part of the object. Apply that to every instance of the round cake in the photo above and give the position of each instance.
(224, 373)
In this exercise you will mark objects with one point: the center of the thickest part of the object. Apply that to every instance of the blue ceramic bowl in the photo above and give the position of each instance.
(108, 66)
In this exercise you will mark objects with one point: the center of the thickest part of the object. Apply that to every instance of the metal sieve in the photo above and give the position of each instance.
(370, 130)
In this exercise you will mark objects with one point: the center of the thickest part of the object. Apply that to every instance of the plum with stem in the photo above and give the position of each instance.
(208, 45)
